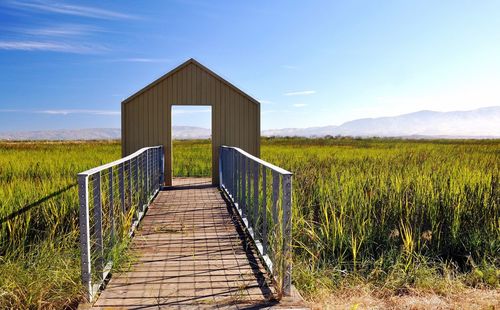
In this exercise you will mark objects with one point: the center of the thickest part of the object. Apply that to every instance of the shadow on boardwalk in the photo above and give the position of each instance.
(191, 253)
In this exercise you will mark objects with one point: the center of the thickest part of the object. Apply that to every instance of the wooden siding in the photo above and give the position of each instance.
(147, 115)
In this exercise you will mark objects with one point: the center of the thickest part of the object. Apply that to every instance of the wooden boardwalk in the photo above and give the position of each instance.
(191, 254)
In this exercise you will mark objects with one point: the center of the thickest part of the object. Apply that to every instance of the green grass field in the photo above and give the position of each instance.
(396, 215)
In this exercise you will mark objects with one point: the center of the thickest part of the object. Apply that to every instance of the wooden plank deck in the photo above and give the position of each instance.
(191, 253)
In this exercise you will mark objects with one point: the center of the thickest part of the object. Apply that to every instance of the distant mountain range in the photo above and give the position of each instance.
(178, 132)
(479, 123)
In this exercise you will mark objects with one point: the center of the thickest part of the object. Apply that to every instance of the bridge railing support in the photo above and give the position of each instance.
(262, 195)
(113, 199)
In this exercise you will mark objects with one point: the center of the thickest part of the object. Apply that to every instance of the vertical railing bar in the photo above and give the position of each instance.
(221, 170)
(162, 166)
(287, 234)
(141, 182)
(233, 173)
(237, 181)
(130, 191)
(255, 221)
(121, 180)
(147, 177)
(144, 180)
(227, 182)
(98, 224)
(157, 168)
(243, 187)
(249, 189)
(136, 181)
(154, 175)
(264, 210)
(276, 180)
(111, 205)
(83, 196)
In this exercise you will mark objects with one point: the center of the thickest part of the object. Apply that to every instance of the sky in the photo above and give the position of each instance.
(69, 64)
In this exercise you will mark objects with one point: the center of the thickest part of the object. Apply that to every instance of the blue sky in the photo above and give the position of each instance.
(68, 64)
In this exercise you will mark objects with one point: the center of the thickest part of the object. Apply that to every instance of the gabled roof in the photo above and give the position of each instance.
(184, 65)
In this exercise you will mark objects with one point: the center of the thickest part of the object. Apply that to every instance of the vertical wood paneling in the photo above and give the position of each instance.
(141, 125)
(173, 89)
(230, 118)
(199, 86)
(212, 84)
(161, 112)
(146, 118)
(168, 131)
(131, 127)
(157, 115)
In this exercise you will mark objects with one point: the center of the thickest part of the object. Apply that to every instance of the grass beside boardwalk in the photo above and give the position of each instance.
(370, 215)
(39, 254)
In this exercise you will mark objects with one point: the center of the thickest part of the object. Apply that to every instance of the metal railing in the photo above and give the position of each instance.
(246, 181)
(113, 199)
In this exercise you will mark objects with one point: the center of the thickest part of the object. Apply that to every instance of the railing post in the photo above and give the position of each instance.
(287, 234)
(98, 224)
(83, 196)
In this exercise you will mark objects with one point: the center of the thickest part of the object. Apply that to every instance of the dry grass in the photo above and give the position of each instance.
(365, 298)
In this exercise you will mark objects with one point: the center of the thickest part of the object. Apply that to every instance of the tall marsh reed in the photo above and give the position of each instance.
(394, 213)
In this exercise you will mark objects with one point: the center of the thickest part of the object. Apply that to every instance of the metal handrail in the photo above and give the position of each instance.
(135, 180)
(243, 177)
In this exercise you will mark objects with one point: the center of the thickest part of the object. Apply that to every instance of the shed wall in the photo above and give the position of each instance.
(147, 115)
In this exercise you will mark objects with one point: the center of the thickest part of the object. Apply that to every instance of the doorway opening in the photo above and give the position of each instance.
(191, 141)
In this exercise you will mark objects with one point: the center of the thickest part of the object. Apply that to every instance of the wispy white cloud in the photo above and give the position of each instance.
(70, 30)
(176, 111)
(300, 93)
(143, 60)
(93, 112)
(51, 46)
(299, 105)
(70, 9)
(289, 67)
(63, 112)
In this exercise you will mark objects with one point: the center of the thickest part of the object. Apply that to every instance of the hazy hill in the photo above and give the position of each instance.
(179, 132)
(484, 122)
(479, 123)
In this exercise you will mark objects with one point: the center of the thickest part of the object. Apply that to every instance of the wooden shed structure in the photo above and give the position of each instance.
(147, 115)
